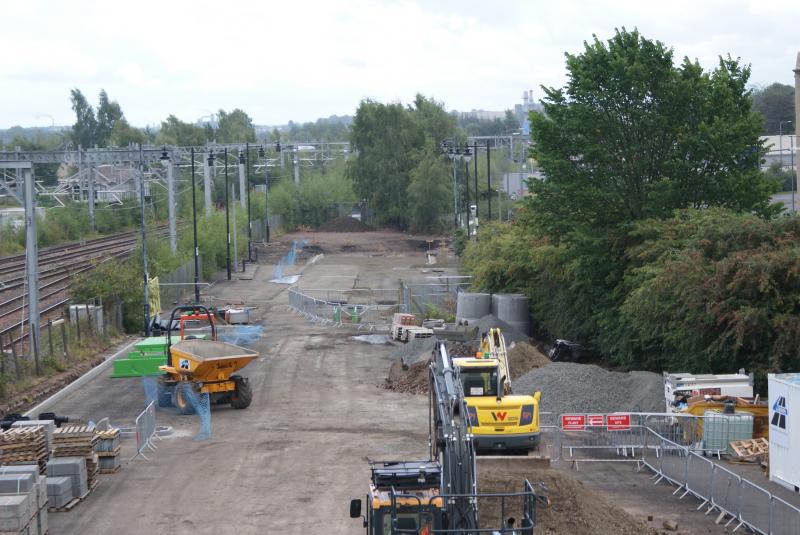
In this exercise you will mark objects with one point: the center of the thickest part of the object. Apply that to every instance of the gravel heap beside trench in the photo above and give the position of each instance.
(580, 388)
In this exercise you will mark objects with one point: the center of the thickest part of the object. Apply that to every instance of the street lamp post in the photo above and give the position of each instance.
(247, 190)
(196, 249)
(227, 218)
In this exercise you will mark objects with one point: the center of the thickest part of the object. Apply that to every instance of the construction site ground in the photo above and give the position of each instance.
(291, 462)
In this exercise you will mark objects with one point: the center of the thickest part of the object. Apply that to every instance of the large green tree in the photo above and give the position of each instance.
(389, 142)
(85, 127)
(633, 136)
(235, 127)
(776, 103)
(176, 132)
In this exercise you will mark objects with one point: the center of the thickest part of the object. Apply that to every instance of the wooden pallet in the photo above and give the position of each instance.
(110, 470)
(69, 506)
(109, 453)
(750, 450)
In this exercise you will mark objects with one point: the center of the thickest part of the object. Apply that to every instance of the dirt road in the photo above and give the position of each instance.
(291, 462)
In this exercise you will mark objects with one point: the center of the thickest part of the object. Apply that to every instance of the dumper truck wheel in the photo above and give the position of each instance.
(243, 395)
(181, 399)
(165, 395)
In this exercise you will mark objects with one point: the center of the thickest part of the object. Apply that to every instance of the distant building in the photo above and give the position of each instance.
(14, 217)
(485, 115)
(781, 149)
(521, 111)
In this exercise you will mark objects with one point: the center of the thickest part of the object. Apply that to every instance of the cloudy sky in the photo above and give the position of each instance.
(305, 59)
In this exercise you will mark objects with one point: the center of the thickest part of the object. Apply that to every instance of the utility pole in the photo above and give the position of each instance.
(266, 197)
(477, 198)
(247, 191)
(80, 174)
(92, 175)
(207, 163)
(173, 233)
(235, 226)
(296, 163)
(144, 244)
(227, 217)
(488, 182)
(455, 196)
(241, 178)
(196, 250)
(796, 123)
(31, 261)
(466, 181)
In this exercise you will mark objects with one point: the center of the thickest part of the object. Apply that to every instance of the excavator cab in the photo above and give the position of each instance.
(404, 498)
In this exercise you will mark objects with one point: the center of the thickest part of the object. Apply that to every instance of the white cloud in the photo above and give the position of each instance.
(302, 60)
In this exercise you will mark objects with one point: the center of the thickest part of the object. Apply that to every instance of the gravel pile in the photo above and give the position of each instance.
(344, 224)
(580, 388)
(490, 321)
(413, 351)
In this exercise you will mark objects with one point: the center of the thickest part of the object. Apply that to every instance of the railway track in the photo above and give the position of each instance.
(57, 266)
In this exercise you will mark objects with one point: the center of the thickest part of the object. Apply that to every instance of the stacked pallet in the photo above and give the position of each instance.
(107, 450)
(24, 445)
(78, 441)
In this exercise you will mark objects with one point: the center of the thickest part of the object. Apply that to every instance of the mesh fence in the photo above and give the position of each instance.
(183, 399)
(173, 286)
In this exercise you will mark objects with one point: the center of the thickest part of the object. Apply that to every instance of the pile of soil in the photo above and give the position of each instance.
(462, 349)
(523, 357)
(344, 224)
(410, 379)
(568, 387)
(573, 508)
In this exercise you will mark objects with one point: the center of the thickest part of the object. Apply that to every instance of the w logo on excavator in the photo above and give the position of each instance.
(499, 415)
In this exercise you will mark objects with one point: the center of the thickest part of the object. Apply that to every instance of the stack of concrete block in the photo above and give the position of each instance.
(59, 491)
(74, 440)
(108, 449)
(24, 445)
(73, 468)
(23, 500)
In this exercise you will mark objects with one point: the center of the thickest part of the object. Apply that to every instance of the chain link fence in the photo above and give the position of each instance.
(440, 292)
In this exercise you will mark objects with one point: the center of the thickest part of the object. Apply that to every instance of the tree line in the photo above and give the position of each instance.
(652, 238)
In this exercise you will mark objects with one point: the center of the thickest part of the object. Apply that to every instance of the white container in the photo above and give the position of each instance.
(79, 312)
(784, 429)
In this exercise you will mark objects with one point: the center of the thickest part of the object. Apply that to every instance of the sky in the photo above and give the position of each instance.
(304, 59)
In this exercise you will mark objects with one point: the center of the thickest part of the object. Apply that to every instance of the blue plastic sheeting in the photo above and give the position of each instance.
(240, 335)
(289, 259)
(198, 403)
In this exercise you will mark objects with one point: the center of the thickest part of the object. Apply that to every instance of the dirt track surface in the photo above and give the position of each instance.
(290, 463)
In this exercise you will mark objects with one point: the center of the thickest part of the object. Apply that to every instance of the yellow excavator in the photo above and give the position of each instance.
(500, 420)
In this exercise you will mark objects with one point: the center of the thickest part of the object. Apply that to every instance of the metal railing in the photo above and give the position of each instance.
(145, 430)
(677, 456)
(362, 309)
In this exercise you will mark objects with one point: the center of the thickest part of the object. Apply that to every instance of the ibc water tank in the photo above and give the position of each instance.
(513, 309)
(471, 307)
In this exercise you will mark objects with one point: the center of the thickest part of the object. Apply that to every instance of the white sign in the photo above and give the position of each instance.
(779, 414)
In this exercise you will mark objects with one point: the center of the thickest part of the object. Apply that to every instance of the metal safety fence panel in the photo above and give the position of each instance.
(754, 507)
(785, 517)
(600, 443)
(699, 474)
(674, 462)
(368, 310)
(145, 430)
(725, 490)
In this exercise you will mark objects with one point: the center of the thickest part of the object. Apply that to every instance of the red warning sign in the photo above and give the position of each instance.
(618, 422)
(573, 422)
(595, 420)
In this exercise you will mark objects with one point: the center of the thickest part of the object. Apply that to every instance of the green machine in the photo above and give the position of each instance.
(144, 360)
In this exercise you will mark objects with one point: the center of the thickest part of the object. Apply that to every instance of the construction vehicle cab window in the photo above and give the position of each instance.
(479, 381)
